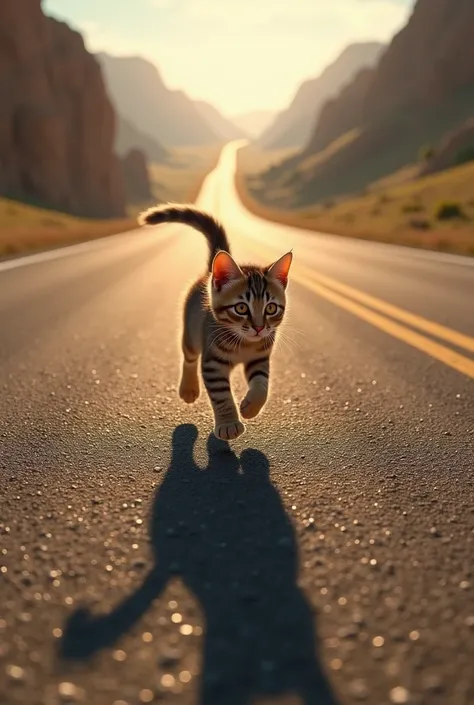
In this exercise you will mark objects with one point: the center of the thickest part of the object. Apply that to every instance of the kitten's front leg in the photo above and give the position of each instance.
(216, 374)
(257, 373)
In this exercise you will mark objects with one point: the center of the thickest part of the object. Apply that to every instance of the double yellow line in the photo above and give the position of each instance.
(371, 309)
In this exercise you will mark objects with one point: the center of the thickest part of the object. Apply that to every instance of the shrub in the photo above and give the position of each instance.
(426, 153)
(412, 207)
(465, 155)
(449, 210)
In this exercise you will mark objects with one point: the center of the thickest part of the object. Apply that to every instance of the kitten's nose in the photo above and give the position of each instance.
(259, 328)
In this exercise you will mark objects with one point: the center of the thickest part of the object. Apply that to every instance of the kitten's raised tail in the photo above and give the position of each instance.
(195, 218)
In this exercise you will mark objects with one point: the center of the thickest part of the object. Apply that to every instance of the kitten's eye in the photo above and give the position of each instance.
(241, 309)
(271, 309)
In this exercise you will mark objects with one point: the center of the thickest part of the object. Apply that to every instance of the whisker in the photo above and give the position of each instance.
(286, 340)
(295, 330)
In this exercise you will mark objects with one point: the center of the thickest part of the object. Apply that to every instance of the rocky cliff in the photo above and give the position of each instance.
(56, 122)
(136, 177)
(428, 62)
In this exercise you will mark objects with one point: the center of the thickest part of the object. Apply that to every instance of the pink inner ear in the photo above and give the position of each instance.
(224, 268)
(281, 267)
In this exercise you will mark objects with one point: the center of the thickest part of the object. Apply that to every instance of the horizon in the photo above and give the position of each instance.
(240, 85)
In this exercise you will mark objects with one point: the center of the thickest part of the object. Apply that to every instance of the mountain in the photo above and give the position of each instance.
(221, 126)
(141, 97)
(343, 113)
(422, 88)
(136, 177)
(456, 148)
(428, 62)
(292, 127)
(254, 123)
(57, 125)
(128, 137)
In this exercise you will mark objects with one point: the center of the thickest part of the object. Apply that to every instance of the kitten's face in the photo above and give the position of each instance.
(250, 301)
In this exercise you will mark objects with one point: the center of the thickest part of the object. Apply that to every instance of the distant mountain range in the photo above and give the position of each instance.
(128, 137)
(153, 118)
(293, 126)
(140, 97)
(224, 128)
(255, 122)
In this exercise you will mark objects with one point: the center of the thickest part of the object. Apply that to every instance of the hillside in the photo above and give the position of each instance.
(255, 122)
(435, 212)
(141, 97)
(456, 148)
(129, 137)
(57, 123)
(220, 125)
(29, 228)
(293, 126)
(422, 88)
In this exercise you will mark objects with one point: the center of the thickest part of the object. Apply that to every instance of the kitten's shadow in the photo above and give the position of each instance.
(224, 531)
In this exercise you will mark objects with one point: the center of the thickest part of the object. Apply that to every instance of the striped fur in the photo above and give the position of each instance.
(231, 317)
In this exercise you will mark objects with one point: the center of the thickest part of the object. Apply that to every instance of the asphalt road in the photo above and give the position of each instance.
(326, 557)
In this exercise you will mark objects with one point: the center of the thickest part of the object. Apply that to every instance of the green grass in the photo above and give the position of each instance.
(449, 210)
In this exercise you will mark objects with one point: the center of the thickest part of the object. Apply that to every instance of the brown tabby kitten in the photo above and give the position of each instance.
(230, 316)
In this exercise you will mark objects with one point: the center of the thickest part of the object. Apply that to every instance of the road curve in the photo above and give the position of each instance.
(326, 557)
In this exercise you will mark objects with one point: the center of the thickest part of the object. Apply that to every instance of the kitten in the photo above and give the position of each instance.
(231, 316)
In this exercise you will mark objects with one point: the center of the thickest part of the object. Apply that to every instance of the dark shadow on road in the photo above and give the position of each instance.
(225, 533)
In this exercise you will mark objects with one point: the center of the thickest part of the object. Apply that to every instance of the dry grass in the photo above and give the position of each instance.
(26, 228)
(181, 179)
(253, 161)
(404, 212)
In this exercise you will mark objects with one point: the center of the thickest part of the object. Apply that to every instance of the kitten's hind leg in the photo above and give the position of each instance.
(256, 373)
(191, 345)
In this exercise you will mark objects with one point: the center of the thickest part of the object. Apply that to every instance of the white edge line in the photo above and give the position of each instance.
(66, 251)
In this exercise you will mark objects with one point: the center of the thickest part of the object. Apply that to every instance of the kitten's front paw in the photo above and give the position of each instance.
(189, 391)
(251, 406)
(229, 431)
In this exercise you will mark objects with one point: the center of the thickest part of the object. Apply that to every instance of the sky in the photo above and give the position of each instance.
(240, 55)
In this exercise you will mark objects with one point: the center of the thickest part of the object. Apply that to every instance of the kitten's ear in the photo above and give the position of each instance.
(224, 269)
(279, 269)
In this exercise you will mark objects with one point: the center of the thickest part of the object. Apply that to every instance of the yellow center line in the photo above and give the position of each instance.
(435, 329)
(435, 350)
